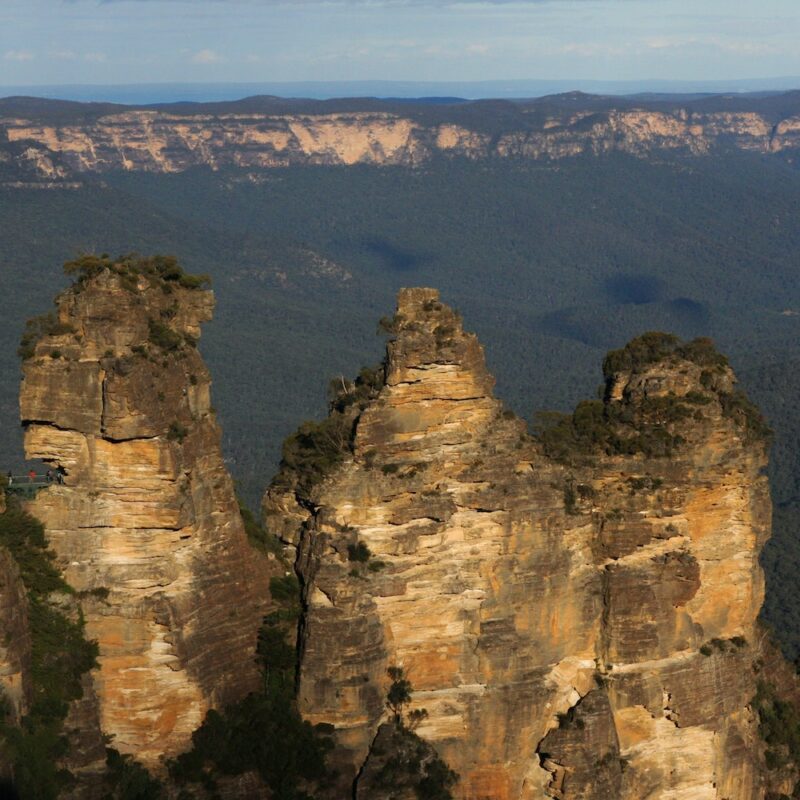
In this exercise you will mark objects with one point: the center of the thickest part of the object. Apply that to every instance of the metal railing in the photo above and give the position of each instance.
(28, 485)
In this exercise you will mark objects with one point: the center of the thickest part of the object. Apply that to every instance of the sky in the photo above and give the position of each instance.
(144, 41)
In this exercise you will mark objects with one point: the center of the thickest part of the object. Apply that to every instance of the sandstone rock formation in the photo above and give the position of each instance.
(145, 524)
(160, 141)
(578, 614)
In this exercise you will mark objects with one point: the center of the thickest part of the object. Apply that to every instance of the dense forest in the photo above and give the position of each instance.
(551, 264)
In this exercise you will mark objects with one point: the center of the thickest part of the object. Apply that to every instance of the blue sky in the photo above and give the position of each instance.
(138, 41)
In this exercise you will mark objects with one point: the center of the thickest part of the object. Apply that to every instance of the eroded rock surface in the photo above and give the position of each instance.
(160, 141)
(145, 525)
(580, 627)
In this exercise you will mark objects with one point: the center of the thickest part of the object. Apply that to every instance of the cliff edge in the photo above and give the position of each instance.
(171, 141)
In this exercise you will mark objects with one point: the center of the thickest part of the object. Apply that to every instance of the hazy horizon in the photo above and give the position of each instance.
(197, 91)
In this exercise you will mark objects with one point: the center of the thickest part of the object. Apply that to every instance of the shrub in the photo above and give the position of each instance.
(127, 779)
(177, 432)
(36, 329)
(163, 336)
(358, 552)
(285, 589)
(570, 719)
(737, 407)
(317, 448)
(779, 727)
(257, 535)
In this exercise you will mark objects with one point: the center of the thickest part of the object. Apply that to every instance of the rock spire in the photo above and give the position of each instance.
(576, 611)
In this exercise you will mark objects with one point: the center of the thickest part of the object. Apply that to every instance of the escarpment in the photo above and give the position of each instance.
(141, 512)
(576, 611)
(168, 142)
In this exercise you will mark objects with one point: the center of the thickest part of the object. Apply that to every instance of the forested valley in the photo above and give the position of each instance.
(553, 264)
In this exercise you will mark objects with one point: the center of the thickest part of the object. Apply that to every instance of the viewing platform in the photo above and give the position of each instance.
(29, 485)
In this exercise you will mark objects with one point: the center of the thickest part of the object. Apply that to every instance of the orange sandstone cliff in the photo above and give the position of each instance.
(168, 141)
(576, 612)
(145, 525)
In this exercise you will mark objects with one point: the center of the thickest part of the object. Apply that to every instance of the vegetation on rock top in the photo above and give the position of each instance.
(161, 270)
(649, 425)
(158, 270)
(316, 448)
(655, 346)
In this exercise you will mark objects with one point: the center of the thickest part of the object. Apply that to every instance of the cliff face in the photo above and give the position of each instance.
(145, 524)
(575, 628)
(157, 141)
(15, 647)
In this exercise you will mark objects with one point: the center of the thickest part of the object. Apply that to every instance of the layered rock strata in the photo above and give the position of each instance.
(575, 628)
(144, 519)
(158, 141)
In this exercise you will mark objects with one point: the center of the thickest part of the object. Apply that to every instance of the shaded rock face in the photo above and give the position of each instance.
(578, 631)
(15, 645)
(157, 141)
(145, 525)
(15, 650)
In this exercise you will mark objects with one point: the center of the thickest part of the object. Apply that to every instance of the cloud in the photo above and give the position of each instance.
(18, 55)
(95, 58)
(206, 57)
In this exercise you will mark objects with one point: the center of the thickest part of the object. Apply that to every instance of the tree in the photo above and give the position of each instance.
(399, 695)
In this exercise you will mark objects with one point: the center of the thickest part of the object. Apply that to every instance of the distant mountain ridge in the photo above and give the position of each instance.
(148, 93)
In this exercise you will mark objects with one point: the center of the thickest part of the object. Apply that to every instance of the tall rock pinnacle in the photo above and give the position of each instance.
(576, 612)
(142, 514)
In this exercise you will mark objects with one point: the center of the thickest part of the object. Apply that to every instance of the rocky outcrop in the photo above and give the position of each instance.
(166, 142)
(143, 519)
(576, 613)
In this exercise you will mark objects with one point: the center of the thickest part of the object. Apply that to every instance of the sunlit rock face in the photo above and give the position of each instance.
(574, 630)
(145, 525)
(162, 142)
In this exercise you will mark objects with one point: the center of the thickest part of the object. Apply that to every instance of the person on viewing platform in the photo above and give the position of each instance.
(31, 476)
